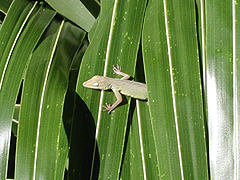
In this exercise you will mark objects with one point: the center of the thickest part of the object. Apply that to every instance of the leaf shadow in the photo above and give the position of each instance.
(81, 137)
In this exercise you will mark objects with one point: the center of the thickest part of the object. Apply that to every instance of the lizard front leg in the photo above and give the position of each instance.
(110, 108)
(117, 70)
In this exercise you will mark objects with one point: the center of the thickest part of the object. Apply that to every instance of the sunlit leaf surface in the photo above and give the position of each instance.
(75, 11)
(222, 87)
(171, 62)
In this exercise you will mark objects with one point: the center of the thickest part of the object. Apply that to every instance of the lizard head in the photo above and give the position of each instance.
(97, 82)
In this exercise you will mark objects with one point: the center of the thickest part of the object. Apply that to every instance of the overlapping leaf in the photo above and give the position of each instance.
(171, 63)
(17, 45)
(114, 42)
(4, 5)
(42, 137)
(222, 87)
(75, 11)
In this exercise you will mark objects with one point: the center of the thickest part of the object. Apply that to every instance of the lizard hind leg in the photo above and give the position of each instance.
(107, 107)
(110, 108)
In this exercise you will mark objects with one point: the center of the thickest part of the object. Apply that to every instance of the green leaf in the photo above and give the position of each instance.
(139, 161)
(81, 132)
(16, 113)
(75, 11)
(114, 42)
(15, 119)
(93, 6)
(222, 87)
(170, 52)
(16, 40)
(201, 31)
(45, 86)
(132, 167)
(4, 5)
(236, 86)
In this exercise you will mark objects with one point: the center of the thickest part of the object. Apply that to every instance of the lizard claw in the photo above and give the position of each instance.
(107, 107)
(116, 69)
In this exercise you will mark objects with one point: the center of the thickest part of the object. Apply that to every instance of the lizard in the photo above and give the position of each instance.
(121, 86)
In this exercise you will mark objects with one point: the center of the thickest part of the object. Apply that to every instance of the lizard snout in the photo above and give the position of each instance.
(84, 84)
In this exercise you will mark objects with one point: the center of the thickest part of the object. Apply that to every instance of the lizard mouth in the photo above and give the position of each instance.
(84, 84)
(90, 85)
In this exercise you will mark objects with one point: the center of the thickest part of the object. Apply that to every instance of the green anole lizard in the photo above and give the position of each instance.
(118, 86)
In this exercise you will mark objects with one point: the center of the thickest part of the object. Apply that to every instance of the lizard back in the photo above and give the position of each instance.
(130, 88)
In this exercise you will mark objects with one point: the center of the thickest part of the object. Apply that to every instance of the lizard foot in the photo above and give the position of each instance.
(108, 107)
(116, 69)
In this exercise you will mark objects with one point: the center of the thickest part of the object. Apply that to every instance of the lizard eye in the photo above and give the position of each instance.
(95, 84)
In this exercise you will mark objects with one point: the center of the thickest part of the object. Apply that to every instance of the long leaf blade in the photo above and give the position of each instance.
(222, 82)
(174, 86)
(75, 11)
(133, 166)
(115, 42)
(44, 90)
(13, 63)
(236, 84)
(4, 5)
